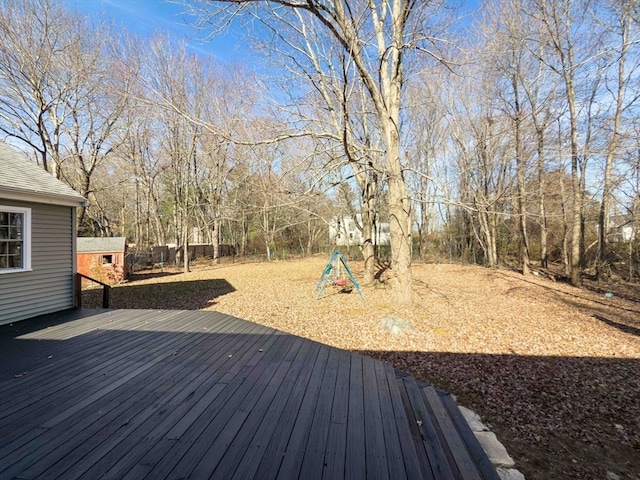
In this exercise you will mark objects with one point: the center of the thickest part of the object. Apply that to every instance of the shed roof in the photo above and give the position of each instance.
(101, 244)
(20, 179)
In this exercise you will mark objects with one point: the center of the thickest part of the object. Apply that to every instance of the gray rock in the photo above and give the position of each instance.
(473, 419)
(509, 474)
(494, 449)
(396, 325)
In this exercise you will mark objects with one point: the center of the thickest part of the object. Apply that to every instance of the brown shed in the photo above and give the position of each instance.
(103, 258)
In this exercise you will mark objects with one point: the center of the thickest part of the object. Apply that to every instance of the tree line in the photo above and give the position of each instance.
(509, 137)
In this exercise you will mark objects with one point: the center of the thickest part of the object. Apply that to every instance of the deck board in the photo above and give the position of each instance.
(94, 415)
(270, 425)
(395, 461)
(334, 458)
(134, 402)
(459, 456)
(374, 442)
(86, 361)
(295, 450)
(189, 393)
(91, 388)
(440, 467)
(314, 452)
(148, 394)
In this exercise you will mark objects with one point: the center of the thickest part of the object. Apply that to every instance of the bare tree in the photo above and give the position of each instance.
(35, 40)
(619, 19)
(377, 37)
(506, 48)
(482, 146)
(177, 85)
(563, 23)
(230, 112)
(427, 154)
(540, 92)
(335, 110)
(631, 189)
(96, 110)
(140, 156)
(60, 91)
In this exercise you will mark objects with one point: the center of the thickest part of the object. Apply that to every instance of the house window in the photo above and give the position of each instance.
(107, 259)
(15, 239)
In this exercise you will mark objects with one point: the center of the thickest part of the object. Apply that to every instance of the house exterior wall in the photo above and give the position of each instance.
(343, 231)
(48, 287)
(92, 265)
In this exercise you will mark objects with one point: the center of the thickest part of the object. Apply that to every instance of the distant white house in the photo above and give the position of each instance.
(344, 231)
(621, 229)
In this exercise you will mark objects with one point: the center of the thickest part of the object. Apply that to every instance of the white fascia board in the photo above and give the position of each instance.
(42, 197)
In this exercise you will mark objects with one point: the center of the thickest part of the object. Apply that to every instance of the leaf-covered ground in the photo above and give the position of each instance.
(551, 368)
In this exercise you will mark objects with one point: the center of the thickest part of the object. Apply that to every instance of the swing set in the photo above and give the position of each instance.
(338, 273)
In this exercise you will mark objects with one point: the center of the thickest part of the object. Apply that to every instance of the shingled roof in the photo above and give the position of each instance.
(21, 179)
(101, 244)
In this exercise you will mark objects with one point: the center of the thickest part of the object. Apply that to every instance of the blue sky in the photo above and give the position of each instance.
(145, 17)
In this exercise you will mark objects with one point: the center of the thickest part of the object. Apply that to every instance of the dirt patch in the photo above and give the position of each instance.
(552, 368)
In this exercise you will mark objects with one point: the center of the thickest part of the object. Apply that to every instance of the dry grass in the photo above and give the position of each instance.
(553, 369)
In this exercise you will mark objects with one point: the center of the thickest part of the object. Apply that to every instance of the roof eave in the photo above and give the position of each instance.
(43, 197)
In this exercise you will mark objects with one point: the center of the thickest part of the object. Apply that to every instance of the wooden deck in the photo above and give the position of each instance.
(147, 394)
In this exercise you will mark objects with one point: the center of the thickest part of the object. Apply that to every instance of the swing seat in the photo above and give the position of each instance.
(340, 282)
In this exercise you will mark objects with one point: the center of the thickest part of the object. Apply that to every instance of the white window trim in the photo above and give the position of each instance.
(108, 264)
(26, 265)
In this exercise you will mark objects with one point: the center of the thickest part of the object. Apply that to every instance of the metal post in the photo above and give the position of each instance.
(105, 296)
(78, 290)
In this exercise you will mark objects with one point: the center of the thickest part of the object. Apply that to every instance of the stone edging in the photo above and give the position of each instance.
(496, 452)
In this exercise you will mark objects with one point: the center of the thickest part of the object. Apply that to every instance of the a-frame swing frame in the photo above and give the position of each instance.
(336, 260)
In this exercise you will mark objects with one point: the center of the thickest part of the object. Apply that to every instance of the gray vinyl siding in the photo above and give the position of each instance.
(48, 287)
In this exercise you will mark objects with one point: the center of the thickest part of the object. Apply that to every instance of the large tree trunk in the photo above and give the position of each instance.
(185, 249)
(244, 241)
(544, 255)
(215, 240)
(138, 225)
(575, 257)
(310, 238)
(85, 189)
(563, 43)
(565, 226)
(520, 171)
(488, 225)
(493, 217)
(368, 218)
(400, 226)
(161, 232)
(603, 220)
(368, 248)
(424, 224)
(635, 213)
(603, 217)
(576, 214)
(399, 201)
(399, 216)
